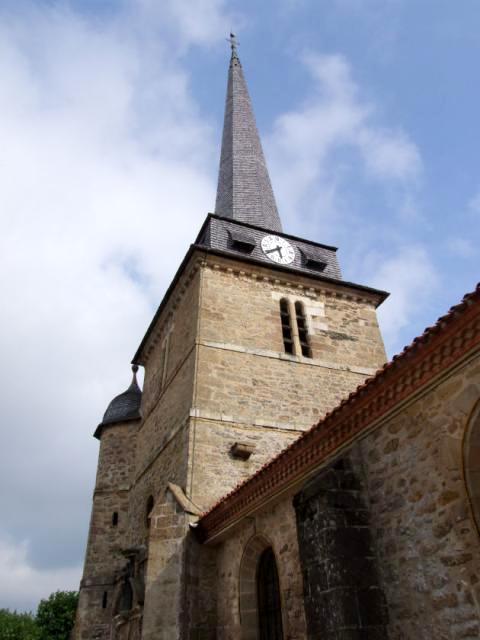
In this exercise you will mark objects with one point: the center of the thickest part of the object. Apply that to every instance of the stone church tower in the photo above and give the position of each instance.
(257, 337)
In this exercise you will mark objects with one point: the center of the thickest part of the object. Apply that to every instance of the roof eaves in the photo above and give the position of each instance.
(98, 431)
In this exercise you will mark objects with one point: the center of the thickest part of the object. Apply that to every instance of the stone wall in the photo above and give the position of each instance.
(240, 306)
(215, 374)
(214, 470)
(424, 531)
(275, 527)
(343, 597)
(106, 534)
(163, 437)
(247, 388)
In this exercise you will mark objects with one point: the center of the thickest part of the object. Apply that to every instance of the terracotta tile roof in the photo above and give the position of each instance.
(453, 337)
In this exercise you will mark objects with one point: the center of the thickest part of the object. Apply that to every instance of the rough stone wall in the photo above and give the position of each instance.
(102, 560)
(162, 457)
(169, 354)
(240, 305)
(343, 597)
(424, 532)
(214, 470)
(276, 526)
(169, 466)
(215, 374)
(248, 389)
(162, 443)
(165, 571)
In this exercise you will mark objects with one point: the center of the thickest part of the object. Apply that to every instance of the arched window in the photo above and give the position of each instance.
(286, 327)
(148, 511)
(259, 593)
(302, 330)
(471, 460)
(268, 596)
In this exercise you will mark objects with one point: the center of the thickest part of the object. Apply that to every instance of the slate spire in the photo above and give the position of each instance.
(244, 190)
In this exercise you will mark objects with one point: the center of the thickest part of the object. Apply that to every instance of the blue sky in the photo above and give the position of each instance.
(111, 124)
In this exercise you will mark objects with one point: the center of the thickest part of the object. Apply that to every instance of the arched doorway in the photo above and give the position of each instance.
(268, 598)
(260, 599)
(471, 461)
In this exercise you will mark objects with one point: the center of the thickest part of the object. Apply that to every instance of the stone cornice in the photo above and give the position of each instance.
(455, 337)
(307, 283)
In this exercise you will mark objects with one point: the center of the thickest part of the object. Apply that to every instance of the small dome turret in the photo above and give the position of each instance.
(125, 406)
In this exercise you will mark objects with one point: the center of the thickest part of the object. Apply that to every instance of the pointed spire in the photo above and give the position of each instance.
(244, 190)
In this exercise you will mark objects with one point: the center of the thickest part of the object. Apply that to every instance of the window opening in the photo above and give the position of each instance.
(114, 518)
(126, 596)
(164, 360)
(268, 594)
(286, 327)
(104, 600)
(149, 509)
(302, 330)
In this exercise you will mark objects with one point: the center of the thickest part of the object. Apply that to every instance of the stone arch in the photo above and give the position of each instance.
(471, 462)
(248, 599)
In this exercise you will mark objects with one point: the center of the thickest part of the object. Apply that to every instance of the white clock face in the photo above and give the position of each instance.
(278, 249)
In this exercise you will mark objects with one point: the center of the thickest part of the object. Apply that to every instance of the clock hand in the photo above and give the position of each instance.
(279, 249)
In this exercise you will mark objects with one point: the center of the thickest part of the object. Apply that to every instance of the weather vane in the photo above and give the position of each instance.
(233, 43)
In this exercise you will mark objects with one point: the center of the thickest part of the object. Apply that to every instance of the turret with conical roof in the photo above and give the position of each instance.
(125, 406)
(109, 521)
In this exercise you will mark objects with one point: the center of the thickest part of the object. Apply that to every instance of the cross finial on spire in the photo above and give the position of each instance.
(244, 190)
(233, 44)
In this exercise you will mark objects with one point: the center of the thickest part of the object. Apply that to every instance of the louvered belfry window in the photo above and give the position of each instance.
(302, 330)
(286, 327)
(268, 592)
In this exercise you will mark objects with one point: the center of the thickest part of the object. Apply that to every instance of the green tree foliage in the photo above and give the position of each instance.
(56, 615)
(17, 626)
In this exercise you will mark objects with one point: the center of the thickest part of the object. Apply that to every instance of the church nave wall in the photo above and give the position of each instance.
(425, 534)
(275, 527)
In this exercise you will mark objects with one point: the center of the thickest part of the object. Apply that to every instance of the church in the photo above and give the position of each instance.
(220, 512)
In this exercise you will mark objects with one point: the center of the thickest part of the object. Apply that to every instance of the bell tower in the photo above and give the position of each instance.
(256, 338)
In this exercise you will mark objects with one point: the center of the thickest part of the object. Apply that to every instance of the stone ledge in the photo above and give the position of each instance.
(221, 417)
(312, 362)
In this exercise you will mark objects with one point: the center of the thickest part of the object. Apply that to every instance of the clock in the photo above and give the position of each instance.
(278, 249)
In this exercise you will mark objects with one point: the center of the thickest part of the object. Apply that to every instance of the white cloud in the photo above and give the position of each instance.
(411, 278)
(389, 154)
(307, 144)
(103, 151)
(194, 21)
(332, 153)
(461, 247)
(23, 586)
(474, 204)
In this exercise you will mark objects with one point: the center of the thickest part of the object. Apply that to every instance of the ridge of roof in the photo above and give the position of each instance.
(442, 345)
